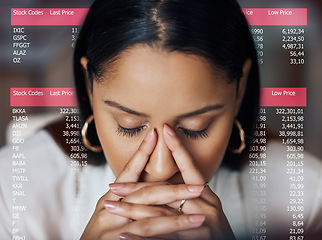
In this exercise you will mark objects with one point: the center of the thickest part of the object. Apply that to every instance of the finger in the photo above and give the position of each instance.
(101, 221)
(164, 194)
(186, 165)
(132, 170)
(208, 202)
(149, 227)
(194, 206)
(203, 232)
(137, 211)
(124, 189)
(129, 236)
(134, 167)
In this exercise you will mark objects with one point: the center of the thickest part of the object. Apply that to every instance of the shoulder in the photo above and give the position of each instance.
(39, 154)
(35, 146)
(56, 196)
(34, 176)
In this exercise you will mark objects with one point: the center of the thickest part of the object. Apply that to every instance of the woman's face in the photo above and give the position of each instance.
(148, 88)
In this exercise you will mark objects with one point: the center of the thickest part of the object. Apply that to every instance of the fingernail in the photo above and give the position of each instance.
(197, 219)
(168, 135)
(115, 186)
(168, 130)
(149, 135)
(111, 206)
(125, 236)
(195, 188)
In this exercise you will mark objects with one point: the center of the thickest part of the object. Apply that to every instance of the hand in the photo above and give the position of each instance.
(145, 202)
(107, 225)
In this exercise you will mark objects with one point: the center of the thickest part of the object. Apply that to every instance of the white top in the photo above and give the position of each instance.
(50, 208)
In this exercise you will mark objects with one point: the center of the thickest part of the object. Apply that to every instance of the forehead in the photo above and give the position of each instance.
(145, 77)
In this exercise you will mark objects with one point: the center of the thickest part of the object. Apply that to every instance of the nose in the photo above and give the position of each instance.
(161, 165)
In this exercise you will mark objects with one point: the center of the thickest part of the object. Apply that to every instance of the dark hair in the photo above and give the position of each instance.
(213, 29)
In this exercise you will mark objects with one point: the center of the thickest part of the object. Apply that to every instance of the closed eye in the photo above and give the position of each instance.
(129, 132)
(195, 134)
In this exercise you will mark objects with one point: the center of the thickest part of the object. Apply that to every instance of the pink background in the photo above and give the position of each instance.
(260, 17)
(270, 100)
(46, 100)
(47, 19)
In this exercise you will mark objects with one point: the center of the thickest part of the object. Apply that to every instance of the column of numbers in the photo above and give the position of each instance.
(72, 135)
(78, 157)
(74, 32)
(293, 42)
(257, 170)
(258, 37)
(291, 135)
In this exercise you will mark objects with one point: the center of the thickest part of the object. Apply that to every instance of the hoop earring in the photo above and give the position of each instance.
(87, 144)
(242, 139)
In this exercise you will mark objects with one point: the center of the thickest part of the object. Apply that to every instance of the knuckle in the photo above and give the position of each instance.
(162, 212)
(188, 167)
(214, 213)
(100, 202)
(217, 202)
(100, 219)
(142, 150)
(130, 186)
(145, 228)
(177, 189)
(127, 208)
(180, 222)
(142, 195)
(127, 167)
(211, 210)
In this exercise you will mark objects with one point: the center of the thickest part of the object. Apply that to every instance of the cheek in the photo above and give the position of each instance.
(118, 150)
(209, 152)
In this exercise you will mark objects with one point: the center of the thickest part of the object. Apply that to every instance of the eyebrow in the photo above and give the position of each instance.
(202, 111)
(125, 109)
(185, 115)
